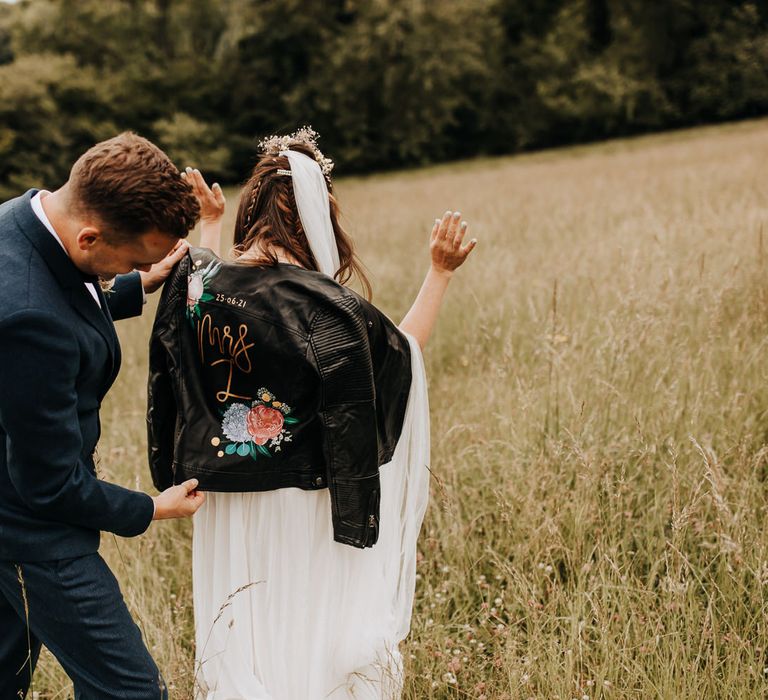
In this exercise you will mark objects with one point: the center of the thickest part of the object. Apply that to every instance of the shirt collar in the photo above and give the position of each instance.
(37, 207)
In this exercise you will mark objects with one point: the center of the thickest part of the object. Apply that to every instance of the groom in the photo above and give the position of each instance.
(124, 208)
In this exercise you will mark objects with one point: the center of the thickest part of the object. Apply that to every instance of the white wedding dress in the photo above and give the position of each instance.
(282, 612)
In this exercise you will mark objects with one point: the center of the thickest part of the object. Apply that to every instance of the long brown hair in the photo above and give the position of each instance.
(267, 215)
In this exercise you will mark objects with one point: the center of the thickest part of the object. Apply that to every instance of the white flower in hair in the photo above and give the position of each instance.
(307, 136)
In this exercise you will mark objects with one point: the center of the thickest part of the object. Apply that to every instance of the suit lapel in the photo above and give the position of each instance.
(66, 273)
(80, 298)
(115, 346)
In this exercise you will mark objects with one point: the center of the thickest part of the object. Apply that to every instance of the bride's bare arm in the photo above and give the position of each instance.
(448, 253)
(212, 205)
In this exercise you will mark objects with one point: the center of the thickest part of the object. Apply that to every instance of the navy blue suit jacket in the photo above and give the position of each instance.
(59, 355)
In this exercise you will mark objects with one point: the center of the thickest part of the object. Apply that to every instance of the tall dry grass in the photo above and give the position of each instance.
(598, 387)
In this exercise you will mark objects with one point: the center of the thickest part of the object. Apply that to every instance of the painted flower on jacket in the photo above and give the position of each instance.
(197, 286)
(234, 424)
(256, 428)
(264, 423)
(195, 289)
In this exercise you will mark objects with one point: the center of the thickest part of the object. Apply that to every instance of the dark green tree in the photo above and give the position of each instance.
(386, 82)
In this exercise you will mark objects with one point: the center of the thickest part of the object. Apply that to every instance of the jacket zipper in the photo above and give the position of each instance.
(371, 532)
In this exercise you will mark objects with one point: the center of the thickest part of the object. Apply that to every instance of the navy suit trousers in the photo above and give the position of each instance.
(74, 607)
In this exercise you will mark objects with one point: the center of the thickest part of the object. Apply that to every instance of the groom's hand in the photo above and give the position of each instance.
(178, 501)
(158, 273)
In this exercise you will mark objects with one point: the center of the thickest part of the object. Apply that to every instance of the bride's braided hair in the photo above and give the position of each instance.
(267, 215)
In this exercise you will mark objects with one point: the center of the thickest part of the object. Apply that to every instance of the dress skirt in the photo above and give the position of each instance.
(282, 612)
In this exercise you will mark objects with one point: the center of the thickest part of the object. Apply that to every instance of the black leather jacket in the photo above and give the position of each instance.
(275, 377)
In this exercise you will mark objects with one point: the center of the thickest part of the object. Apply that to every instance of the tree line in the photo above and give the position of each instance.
(387, 83)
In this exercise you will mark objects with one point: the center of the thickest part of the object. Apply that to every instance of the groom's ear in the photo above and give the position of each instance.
(88, 237)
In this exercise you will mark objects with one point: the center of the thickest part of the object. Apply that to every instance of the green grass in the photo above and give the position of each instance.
(598, 387)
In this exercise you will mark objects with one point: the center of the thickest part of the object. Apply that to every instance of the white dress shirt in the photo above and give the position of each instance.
(37, 207)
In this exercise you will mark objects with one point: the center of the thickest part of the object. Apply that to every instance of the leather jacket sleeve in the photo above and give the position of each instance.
(339, 342)
(162, 410)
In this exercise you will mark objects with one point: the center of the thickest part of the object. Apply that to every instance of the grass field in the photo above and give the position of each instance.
(598, 523)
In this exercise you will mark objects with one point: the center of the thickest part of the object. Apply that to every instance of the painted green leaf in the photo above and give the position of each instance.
(263, 450)
(243, 449)
(197, 311)
(206, 297)
(290, 421)
(230, 449)
(254, 454)
(210, 272)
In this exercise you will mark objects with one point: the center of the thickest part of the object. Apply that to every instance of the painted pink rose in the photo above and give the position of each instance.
(195, 289)
(264, 423)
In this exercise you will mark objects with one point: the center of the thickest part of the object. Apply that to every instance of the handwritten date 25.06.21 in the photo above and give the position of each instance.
(234, 301)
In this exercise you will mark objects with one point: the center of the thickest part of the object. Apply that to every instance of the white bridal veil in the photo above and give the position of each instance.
(311, 193)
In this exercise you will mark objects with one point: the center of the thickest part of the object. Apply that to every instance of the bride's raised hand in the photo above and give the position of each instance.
(211, 199)
(447, 250)
(446, 243)
(212, 206)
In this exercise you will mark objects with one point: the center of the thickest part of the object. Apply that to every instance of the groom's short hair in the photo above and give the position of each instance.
(132, 187)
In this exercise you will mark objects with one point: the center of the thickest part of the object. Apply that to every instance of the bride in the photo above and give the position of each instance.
(303, 411)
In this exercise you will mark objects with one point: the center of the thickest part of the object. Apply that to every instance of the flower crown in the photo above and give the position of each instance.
(306, 136)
